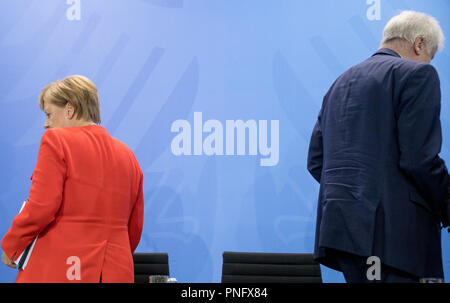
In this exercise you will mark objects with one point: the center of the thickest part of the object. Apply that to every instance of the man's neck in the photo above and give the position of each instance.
(401, 47)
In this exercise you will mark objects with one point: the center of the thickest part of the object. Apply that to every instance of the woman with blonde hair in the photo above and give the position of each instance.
(86, 200)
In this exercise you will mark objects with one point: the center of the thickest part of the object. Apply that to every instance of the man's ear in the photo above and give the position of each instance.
(419, 45)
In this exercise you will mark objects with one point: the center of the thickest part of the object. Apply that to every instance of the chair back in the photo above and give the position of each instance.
(246, 267)
(148, 264)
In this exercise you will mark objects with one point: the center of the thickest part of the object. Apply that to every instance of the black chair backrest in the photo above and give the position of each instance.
(148, 264)
(245, 267)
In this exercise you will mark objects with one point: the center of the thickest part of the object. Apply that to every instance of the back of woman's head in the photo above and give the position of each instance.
(76, 90)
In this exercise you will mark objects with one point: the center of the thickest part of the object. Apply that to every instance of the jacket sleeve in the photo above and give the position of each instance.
(136, 220)
(446, 207)
(44, 200)
(315, 152)
(420, 137)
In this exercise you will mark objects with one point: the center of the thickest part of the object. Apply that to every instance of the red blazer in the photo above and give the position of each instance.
(85, 201)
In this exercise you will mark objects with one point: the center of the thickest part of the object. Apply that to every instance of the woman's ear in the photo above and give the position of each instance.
(69, 111)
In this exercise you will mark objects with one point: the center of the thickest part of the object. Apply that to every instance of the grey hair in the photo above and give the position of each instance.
(409, 25)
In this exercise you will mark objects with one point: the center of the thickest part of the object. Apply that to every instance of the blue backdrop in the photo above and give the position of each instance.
(267, 63)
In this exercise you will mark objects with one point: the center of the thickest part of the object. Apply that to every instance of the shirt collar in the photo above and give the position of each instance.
(387, 51)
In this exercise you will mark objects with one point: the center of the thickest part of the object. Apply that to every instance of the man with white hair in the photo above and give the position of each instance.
(374, 150)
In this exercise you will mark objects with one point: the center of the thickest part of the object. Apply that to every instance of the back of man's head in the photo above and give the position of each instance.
(410, 25)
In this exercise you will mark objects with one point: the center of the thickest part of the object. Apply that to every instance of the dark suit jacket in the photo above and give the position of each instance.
(374, 150)
(446, 210)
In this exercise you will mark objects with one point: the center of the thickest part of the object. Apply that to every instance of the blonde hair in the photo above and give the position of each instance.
(76, 90)
(409, 25)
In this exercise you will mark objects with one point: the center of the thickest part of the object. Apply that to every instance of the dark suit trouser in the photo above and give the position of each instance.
(355, 269)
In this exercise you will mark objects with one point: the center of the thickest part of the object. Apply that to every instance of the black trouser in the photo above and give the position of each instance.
(355, 269)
